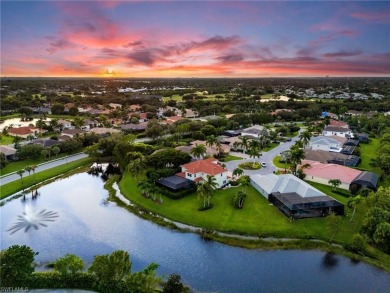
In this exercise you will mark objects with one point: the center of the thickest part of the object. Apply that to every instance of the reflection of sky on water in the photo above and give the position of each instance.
(88, 227)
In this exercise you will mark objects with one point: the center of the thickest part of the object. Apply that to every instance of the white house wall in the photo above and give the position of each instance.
(325, 181)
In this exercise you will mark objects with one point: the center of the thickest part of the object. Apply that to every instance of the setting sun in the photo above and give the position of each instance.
(109, 72)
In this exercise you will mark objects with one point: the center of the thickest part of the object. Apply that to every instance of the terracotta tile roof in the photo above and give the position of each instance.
(181, 174)
(142, 115)
(207, 166)
(198, 179)
(174, 118)
(336, 123)
(24, 130)
(330, 171)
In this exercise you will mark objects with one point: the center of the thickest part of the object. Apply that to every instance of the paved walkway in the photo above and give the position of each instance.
(44, 166)
(266, 157)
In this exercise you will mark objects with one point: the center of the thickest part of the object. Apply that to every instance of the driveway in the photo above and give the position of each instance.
(44, 166)
(266, 157)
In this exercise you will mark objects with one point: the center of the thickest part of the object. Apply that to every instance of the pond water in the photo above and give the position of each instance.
(72, 216)
(17, 122)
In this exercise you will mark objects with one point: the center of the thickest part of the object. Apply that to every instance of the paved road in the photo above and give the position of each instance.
(41, 167)
(266, 157)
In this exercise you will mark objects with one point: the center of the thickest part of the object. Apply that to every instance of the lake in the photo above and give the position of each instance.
(79, 220)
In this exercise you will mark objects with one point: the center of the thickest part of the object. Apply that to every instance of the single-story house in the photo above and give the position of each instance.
(104, 130)
(24, 131)
(332, 158)
(134, 127)
(72, 132)
(46, 143)
(255, 131)
(9, 152)
(294, 197)
(198, 171)
(232, 133)
(65, 124)
(322, 173)
(210, 150)
(325, 143)
(339, 131)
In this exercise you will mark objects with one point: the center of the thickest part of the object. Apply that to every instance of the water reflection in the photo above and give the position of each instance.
(31, 219)
(88, 227)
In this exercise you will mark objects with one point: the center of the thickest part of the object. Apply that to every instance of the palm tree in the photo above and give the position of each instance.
(237, 172)
(334, 183)
(20, 173)
(211, 140)
(352, 203)
(244, 143)
(28, 169)
(40, 124)
(254, 150)
(198, 151)
(305, 138)
(201, 190)
(211, 186)
(297, 155)
(54, 124)
(244, 181)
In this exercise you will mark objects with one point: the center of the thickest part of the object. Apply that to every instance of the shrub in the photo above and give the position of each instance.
(250, 166)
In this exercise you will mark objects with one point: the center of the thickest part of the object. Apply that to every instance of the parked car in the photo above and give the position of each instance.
(263, 164)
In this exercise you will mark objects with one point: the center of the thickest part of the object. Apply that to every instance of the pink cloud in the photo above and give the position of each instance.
(373, 16)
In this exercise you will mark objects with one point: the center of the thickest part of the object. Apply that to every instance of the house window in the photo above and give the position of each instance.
(224, 181)
(221, 174)
(189, 175)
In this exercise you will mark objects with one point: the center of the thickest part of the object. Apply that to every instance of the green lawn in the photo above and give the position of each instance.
(367, 152)
(17, 165)
(280, 165)
(29, 180)
(229, 158)
(6, 139)
(270, 147)
(257, 217)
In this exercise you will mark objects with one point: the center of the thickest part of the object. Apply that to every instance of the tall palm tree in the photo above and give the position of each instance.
(305, 138)
(198, 151)
(352, 203)
(254, 150)
(201, 190)
(211, 185)
(244, 143)
(297, 155)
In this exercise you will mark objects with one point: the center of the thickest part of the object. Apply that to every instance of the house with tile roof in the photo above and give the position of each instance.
(322, 173)
(9, 152)
(294, 197)
(24, 131)
(198, 171)
(337, 123)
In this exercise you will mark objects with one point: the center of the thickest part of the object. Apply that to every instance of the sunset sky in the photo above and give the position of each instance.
(195, 38)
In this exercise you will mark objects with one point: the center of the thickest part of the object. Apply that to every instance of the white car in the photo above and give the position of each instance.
(263, 164)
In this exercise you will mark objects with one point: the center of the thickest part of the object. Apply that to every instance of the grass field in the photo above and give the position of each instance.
(6, 139)
(280, 165)
(368, 151)
(257, 217)
(229, 158)
(17, 165)
(270, 147)
(29, 180)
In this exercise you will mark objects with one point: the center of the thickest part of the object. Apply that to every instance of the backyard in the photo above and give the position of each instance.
(257, 217)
